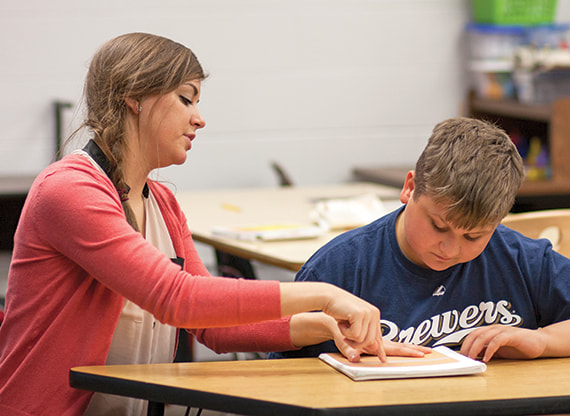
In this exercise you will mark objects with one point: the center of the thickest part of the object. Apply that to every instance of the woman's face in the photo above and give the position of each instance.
(168, 125)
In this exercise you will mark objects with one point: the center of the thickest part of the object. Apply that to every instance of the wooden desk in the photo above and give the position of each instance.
(207, 209)
(307, 386)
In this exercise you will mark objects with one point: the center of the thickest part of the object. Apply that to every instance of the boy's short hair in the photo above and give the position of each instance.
(473, 167)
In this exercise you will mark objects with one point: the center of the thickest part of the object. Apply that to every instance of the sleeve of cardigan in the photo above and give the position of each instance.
(77, 212)
(258, 337)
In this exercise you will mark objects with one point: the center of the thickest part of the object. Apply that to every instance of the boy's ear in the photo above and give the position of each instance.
(133, 105)
(408, 188)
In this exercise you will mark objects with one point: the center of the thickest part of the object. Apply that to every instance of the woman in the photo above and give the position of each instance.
(104, 268)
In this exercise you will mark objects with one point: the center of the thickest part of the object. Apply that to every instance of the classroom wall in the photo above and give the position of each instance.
(318, 85)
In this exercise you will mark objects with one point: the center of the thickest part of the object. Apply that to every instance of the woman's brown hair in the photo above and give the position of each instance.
(131, 66)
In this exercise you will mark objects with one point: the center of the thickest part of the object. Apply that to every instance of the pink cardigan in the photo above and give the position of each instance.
(75, 260)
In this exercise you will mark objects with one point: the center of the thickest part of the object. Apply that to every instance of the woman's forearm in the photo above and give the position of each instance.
(310, 328)
(356, 319)
(297, 297)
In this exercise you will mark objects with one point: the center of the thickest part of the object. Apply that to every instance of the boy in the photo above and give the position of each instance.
(441, 268)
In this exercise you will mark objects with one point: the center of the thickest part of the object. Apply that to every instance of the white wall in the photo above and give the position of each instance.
(320, 85)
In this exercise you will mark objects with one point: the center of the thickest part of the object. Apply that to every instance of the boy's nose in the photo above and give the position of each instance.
(449, 247)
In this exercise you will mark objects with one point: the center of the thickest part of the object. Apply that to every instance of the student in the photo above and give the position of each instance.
(442, 270)
(104, 268)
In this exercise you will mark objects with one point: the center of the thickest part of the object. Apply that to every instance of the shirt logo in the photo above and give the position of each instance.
(450, 327)
(439, 291)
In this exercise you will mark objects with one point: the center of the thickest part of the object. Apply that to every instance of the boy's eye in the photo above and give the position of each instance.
(439, 229)
(470, 238)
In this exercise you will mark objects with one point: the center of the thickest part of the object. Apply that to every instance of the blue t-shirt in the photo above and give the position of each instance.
(515, 281)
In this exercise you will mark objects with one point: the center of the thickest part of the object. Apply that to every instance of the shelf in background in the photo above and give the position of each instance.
(550, 122)
(511, 108)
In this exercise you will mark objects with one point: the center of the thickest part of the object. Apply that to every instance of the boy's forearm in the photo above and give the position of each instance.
(557, 336)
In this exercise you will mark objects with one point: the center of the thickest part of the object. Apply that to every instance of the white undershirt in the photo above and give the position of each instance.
(138, 338)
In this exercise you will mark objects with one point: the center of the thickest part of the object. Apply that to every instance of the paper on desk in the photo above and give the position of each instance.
(442, 361)
(270, 232)
(343, 213)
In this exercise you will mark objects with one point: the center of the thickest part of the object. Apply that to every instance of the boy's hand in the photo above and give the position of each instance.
(352, 352)
(404, 349)
(505, 342)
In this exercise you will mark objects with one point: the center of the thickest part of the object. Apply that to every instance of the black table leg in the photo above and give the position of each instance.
(155, 409)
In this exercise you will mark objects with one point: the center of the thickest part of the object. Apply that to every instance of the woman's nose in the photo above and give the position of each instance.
(197, 120)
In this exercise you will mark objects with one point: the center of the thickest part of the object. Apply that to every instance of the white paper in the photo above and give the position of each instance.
(443, 362)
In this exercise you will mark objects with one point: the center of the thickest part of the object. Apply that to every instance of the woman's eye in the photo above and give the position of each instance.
(185, 100)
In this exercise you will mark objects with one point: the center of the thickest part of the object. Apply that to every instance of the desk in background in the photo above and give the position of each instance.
(208, 209)
(307, 386)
